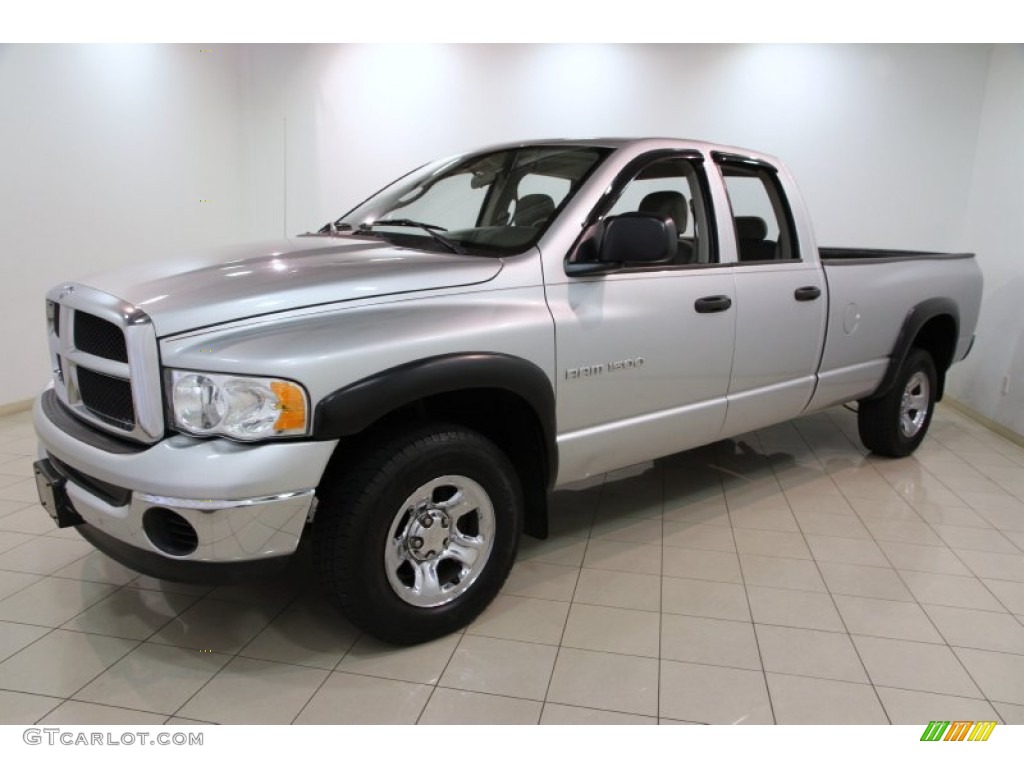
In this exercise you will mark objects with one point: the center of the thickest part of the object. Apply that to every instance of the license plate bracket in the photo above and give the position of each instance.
(53, 495)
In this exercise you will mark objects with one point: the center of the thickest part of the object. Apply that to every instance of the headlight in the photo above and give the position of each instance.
(239, 407)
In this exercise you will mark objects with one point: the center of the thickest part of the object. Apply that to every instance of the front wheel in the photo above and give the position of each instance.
(417, 539)
(896, 423)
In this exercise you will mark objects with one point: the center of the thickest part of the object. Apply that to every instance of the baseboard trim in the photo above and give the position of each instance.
(10, 409)
(1000, 429)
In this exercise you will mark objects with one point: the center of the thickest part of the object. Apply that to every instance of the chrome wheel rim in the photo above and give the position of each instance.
(914, 405)
(439, 541)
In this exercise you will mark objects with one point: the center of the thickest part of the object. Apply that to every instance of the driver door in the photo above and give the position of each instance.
(644, 352)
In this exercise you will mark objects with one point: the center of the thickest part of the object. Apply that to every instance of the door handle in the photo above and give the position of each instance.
(807, 293)
(712, 304)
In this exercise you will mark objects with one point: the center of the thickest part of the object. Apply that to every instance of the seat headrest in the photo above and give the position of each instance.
(751, 228)
(669, 204)
(533, 210)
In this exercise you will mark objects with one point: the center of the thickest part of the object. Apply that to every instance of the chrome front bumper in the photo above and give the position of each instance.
(245, 502)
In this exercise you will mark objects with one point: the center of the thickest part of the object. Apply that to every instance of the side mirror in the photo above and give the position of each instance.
(638, 238)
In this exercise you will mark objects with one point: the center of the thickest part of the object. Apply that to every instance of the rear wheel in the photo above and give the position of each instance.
(417, 539)
(896, 423)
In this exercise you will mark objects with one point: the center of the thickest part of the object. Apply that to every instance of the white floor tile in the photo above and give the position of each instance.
(357, 700)
(809, 701)
(615, 630)
(83, 713)
(561, 714)
(917, 708)
(153, 678)
(24, 708)
(864, 581)
(709, 641)
(914, 666)
(449, 707)
(1000, 675)
(251, 691)
(214, 626)
(790, 608)
(955, 591)
(503, 667)
(605, 681)
(985, 630)
(310, 632)
(810, 652)
(421, 663)
(542, 580)
(1009, 593)
(716, 695)
(51, 602)
(886, 618)
(710, 599)
(781, 572)
(522, 618)
(701, 564)
(60, 663)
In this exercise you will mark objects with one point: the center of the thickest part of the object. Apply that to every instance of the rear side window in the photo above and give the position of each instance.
(760, 214)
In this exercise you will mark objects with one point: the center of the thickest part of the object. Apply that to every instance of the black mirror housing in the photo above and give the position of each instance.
(638, 238)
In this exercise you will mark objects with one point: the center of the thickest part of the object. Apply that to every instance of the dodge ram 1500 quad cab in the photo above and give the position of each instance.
(406, 385)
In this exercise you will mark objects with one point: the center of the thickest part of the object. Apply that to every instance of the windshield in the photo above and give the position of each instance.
(491, 204)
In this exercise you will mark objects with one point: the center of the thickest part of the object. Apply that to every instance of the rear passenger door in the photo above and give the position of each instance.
(781, 300)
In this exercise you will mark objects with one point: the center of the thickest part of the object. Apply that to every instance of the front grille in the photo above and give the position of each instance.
(108, 398)
(105, 362)
(99, 337)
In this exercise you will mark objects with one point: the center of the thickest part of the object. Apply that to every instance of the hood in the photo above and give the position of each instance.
(259, 279)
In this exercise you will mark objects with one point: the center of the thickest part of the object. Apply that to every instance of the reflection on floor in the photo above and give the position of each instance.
(781, 577)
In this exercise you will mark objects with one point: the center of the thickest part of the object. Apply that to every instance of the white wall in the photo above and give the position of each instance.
(105, 154)
(881, 137)
(995, 230)
(114, 144)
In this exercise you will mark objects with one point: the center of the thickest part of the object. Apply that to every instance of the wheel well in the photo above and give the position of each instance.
(937, 337)
(503, 417)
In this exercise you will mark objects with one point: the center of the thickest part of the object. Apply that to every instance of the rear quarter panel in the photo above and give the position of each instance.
(868, 303)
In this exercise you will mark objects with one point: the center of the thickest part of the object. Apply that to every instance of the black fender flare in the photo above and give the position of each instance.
(914, 321)
(351, 409)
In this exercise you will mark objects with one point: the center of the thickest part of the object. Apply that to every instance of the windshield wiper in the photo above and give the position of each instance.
(430, 229)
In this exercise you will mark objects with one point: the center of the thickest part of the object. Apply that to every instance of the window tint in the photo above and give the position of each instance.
(670, 187)
(759, 213)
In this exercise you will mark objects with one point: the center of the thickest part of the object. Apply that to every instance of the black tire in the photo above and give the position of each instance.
(888, 425)
(372, 517)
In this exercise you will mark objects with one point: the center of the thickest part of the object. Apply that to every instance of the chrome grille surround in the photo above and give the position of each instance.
(142, 370)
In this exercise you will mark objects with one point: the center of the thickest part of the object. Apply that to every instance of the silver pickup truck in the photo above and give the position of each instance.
(404, 386)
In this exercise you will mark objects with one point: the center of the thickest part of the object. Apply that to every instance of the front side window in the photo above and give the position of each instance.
(670, 188)
(491, 204)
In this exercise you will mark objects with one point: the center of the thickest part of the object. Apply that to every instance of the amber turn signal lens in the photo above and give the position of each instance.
(291, 404)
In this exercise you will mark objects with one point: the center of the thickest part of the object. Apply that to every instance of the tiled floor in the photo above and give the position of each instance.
(783, 577)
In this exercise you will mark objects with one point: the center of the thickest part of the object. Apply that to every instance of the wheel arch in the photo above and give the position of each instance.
(933, 325)
(508, 399)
